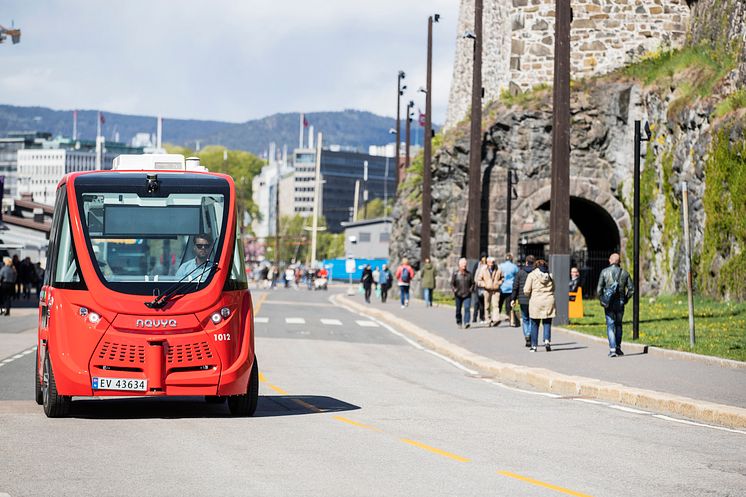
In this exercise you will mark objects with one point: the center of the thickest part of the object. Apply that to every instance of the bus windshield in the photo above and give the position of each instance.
(139, 243)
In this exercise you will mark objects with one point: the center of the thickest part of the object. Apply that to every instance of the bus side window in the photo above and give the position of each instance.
(237, 279)
(64, 269)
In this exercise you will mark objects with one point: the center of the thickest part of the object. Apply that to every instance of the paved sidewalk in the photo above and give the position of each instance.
(579, 356)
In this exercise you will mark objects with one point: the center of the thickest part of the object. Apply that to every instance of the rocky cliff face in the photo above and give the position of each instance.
(684, 106)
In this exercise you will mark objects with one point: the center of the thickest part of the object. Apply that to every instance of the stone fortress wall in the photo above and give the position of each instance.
(518, 47)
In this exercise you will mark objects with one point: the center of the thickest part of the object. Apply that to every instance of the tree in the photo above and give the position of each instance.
(242, 166)
(376, 209)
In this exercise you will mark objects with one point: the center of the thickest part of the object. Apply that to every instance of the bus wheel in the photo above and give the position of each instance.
(214, 399)
(55, 405)
(245, 405)
(38, 394)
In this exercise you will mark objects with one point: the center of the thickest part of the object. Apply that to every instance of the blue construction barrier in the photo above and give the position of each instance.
(337, 268)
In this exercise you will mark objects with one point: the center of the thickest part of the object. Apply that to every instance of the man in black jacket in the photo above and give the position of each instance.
(619, 283)
(519, 281)
(462, 284)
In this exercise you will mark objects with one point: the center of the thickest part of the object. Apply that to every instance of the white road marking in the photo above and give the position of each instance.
(694, 423)
(8, 360)
(367, 324)
(530, 392)
(295, 321)
(331, 322)
(261, 319)
(591, 401)
(627, 409)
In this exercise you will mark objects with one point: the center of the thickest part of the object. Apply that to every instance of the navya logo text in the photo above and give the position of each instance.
(155, 323)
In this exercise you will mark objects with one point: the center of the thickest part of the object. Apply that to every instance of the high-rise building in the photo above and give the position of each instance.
(340, 171)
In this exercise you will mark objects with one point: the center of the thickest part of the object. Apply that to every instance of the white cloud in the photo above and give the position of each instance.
(227, 60)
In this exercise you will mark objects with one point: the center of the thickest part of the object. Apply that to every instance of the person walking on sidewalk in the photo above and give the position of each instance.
(479, 292)
(462, 284)
(366, 279)
(404, 275)
(490, 280)
(427, 277)
(518, 294)
(541, 305)
(509, 271)
(8, 277)
(614, 290)
(384, 280)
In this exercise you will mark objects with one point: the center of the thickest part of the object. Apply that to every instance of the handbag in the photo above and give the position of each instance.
(609, 292)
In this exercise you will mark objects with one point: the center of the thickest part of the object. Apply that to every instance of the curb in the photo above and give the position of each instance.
(562, 384)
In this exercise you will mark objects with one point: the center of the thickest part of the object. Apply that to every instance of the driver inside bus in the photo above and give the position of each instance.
(201, 248)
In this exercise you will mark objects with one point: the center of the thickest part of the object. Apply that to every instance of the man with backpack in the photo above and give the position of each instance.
(404, 275)
(614, 291)
(384, 280)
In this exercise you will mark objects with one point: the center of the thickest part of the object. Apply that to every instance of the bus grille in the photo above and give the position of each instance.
(122, 352)
(188, 352)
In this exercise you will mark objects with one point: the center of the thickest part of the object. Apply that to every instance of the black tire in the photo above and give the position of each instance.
(245, 405)
(214, 399)
(55, 405)
(38, 394)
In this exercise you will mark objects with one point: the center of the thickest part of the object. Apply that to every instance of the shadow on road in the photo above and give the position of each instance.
(196, 407)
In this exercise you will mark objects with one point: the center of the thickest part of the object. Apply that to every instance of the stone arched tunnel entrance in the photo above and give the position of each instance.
(599, 224)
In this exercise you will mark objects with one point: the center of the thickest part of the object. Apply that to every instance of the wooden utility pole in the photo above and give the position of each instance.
(399, 93)
(559, 217)
(426, 170)
(474, 219)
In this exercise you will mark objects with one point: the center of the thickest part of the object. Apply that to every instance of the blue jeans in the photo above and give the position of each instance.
(428, 293)
(535, 330)
(525, 321)
(614, 318)
(404, 294)
(464, 302)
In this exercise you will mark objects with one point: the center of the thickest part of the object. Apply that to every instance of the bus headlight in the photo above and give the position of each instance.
(225, 312)
(93, 318)
(216, 318)
(83, 311)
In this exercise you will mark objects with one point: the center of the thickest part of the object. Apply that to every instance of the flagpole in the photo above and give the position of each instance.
(98, 142)
(75, 125)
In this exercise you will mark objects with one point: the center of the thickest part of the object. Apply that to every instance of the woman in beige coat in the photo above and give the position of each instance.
(541, 307)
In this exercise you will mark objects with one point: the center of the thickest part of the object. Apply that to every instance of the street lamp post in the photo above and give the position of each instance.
(559, 220)
(407, 134)
(399, 92)
(474, 221)
(427, 145)
(365, 189)
(636, 228)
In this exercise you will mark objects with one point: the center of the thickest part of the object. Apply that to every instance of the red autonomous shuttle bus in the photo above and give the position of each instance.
(145, 292)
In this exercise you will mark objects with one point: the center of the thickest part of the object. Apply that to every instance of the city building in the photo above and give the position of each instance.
(368, 239)
(340, 171)
(264, 191)
(41, 169)
(10, 144)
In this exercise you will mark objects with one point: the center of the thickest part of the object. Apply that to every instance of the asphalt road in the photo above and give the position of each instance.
(350, 408)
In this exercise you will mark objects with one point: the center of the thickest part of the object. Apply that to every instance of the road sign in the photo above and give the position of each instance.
(350, 266)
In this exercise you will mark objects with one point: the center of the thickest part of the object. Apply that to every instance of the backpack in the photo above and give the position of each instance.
(383, 278)
(610, 291)
(405, 276)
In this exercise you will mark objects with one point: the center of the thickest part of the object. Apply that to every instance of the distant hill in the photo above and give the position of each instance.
(349, 128)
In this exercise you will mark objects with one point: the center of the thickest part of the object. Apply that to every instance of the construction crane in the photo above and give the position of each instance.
(15, 34)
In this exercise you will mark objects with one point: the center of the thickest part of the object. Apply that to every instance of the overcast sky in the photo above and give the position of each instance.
(225, 60)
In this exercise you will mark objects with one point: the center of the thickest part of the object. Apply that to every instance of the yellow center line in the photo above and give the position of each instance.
(308, 406)
(435, 450)
(355, 423)
(259, 302)
(263, 379)
(542, 484)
